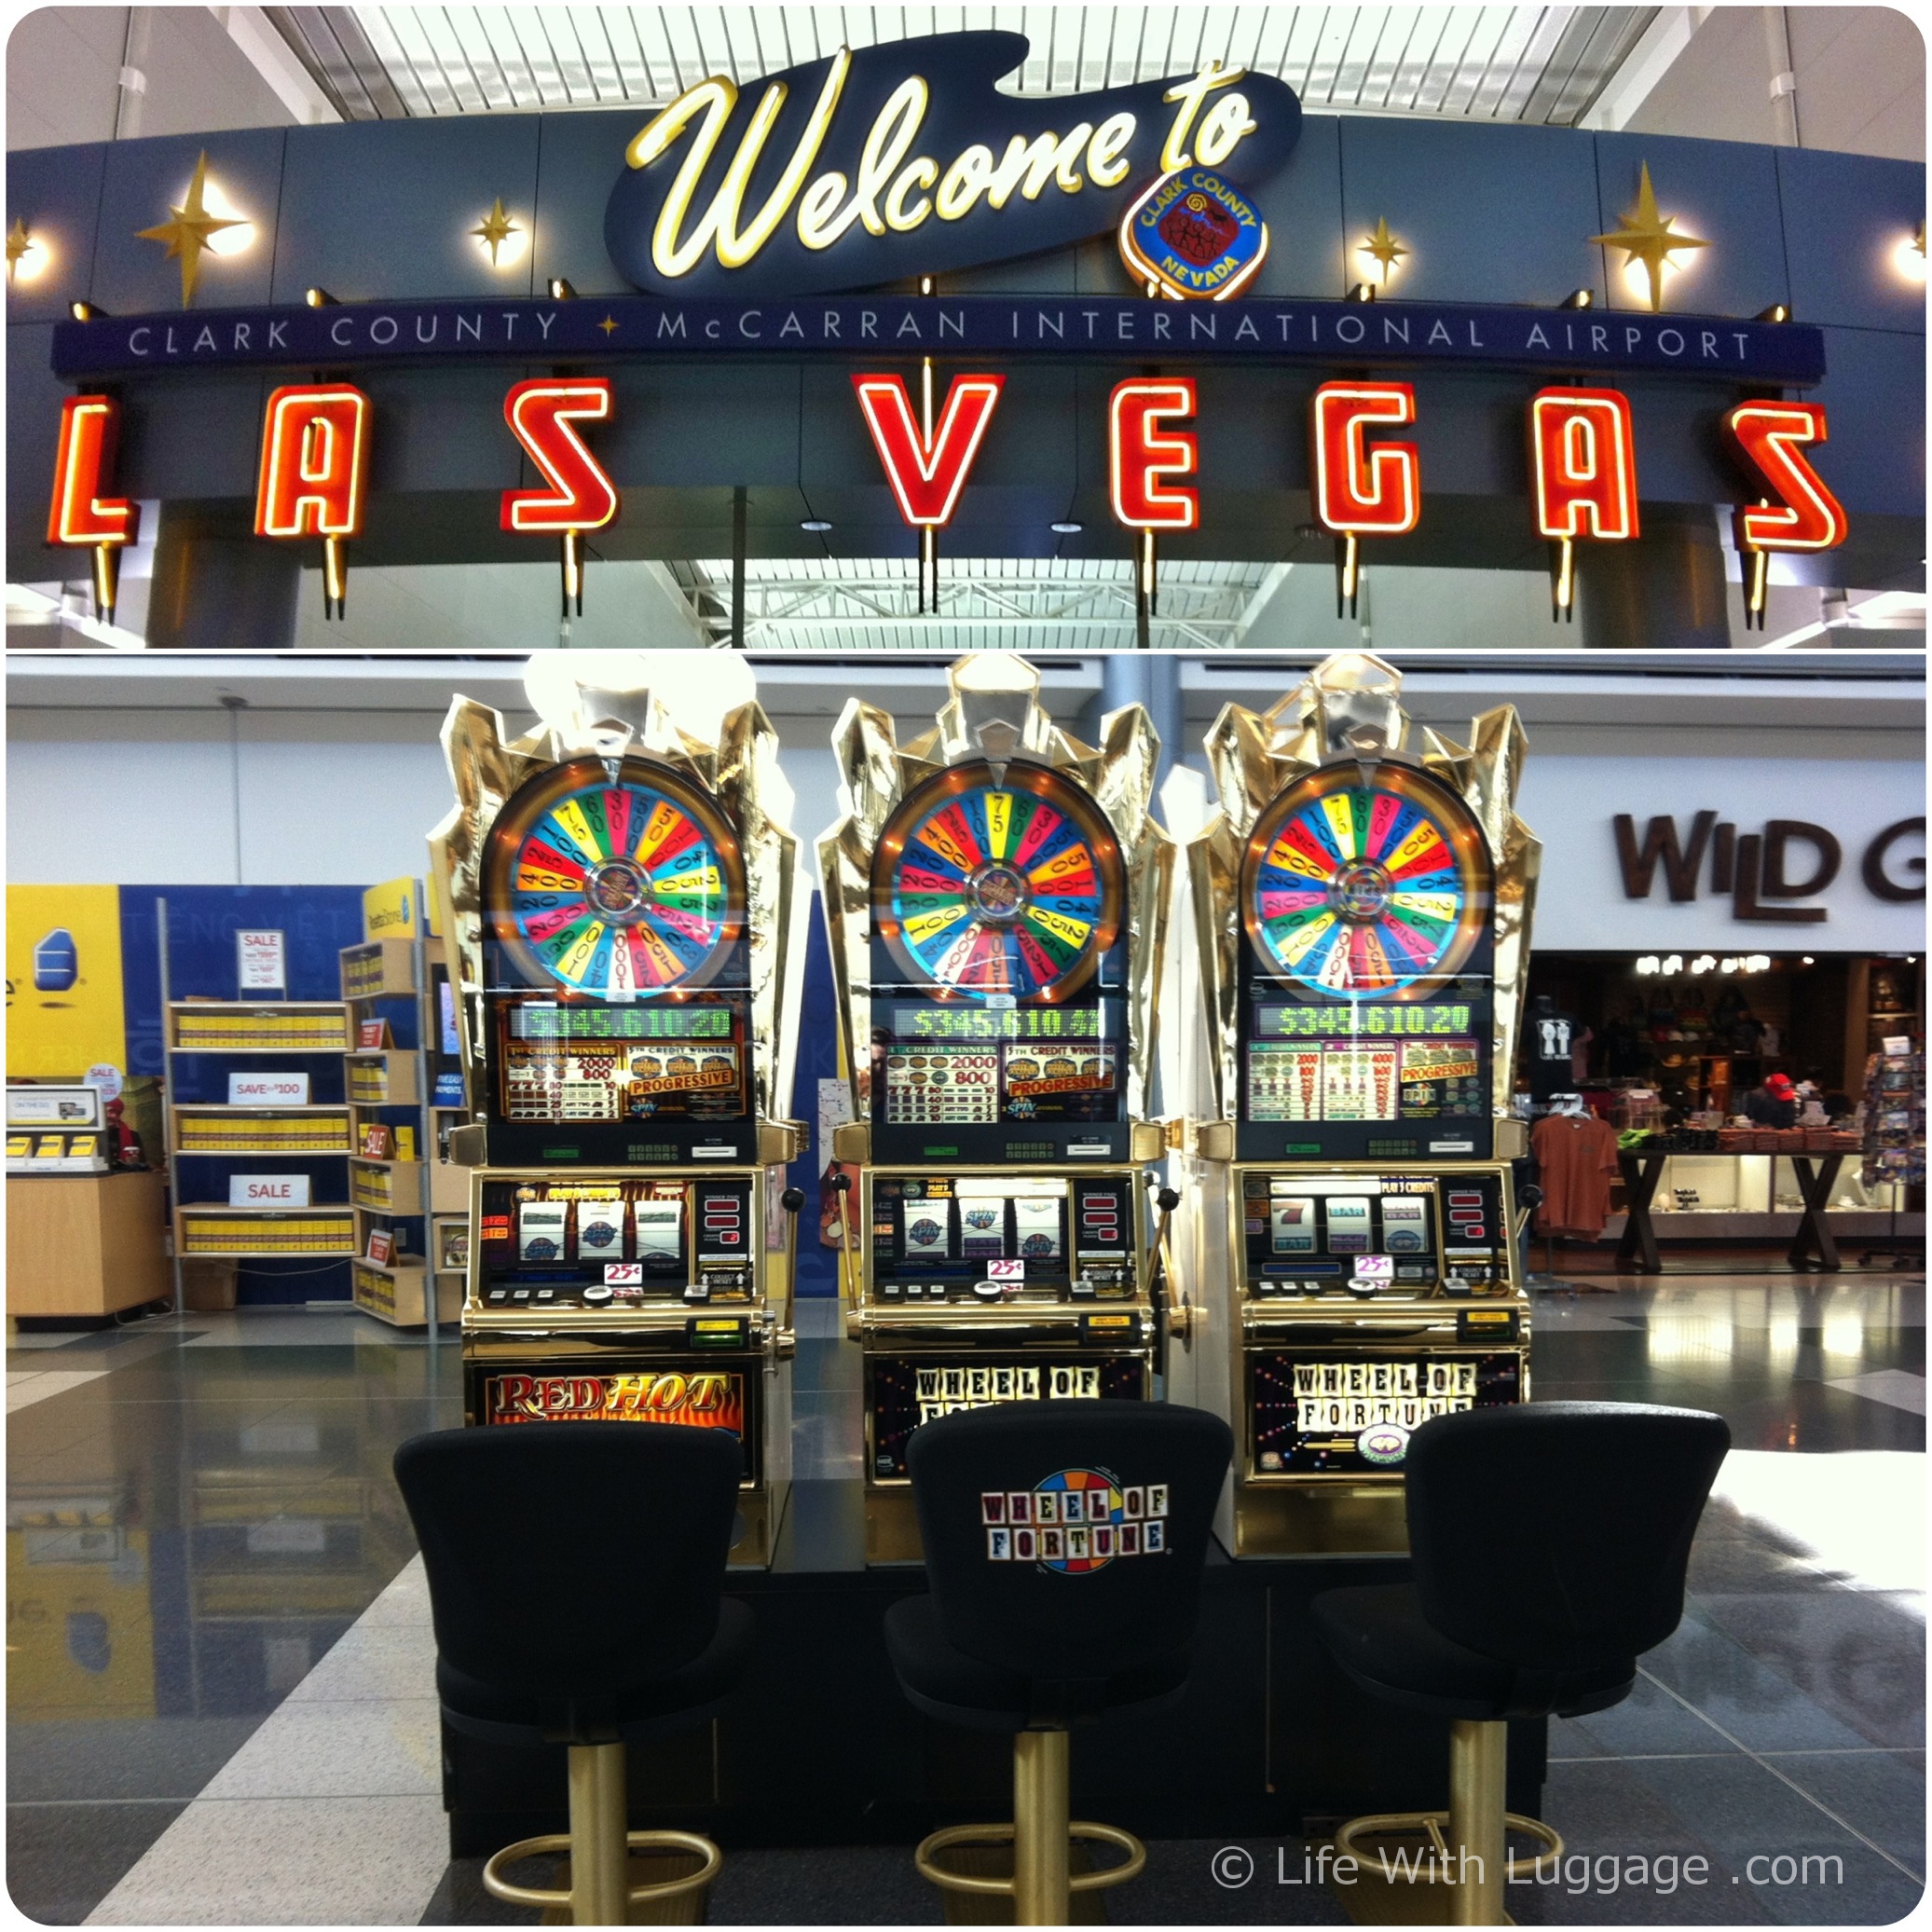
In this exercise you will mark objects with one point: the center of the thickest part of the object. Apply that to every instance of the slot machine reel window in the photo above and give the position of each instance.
(612, 1242)
(1367, 903)
(1370, 1234)
(991, 1237)
(998, 909)
(615, 912)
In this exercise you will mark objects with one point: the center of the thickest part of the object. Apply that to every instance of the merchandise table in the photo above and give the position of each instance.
(821, 1747)
(1637, 1248)
(1812, 1245)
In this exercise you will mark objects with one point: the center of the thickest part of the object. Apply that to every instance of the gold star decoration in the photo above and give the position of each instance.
(608, 325)
(187, 235)
(495, 229)
(18, 241)
(1384, 248)
(1646, 236)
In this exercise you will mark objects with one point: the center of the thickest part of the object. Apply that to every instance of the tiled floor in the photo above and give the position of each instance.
(220, 1656)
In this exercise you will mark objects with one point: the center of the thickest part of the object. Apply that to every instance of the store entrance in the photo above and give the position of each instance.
(1767, 1110)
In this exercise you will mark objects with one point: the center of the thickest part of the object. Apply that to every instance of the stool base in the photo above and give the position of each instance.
(1042, 1886)
(1467, 1854)
(600, 1892)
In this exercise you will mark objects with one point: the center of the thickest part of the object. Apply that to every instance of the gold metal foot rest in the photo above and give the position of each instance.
(1003, 1834)
(656, 1894)
(1442, 1857)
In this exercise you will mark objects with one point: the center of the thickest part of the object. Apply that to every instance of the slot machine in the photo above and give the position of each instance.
(1361, 914)
(996, 898)
(620, 892)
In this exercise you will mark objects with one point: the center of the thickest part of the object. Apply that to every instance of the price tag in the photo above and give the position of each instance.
(624, 1274)
(1005, 1270)
(1374, 1268)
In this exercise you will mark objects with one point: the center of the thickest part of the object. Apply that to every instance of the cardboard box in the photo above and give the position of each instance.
(208, 1285)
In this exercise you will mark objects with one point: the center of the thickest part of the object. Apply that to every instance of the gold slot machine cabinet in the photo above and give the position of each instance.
(1361, 914)
(995, 895)
(623, 894)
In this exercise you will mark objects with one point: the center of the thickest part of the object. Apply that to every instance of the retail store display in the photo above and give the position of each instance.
(995, 894)
(1361, 915)
(1553, 1042)
(393, 1186)
(620, 900)
(1576, 1161)
(268, 1115)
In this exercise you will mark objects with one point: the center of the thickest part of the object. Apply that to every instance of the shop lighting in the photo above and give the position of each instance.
(1066, 530)
(1809, 960)
(1362, 292)
(319, 298)
(1704, 963)
(818, 525)
(560, 290)
(1778, 312)
(1908, 256)
(85, 312)
(1579, 298)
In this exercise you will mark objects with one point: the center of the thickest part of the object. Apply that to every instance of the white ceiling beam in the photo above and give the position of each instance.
(273, 58)
(1642, 69)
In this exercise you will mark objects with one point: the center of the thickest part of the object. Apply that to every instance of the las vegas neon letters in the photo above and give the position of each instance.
(1361, 488)
(580, 496)
(927, 473)
(1142, 458)
(1582, 463)
(316, 441)
(79, 514)
(1802, 514)
(315, 461)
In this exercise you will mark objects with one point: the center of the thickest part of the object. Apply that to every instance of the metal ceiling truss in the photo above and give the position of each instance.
(1544, 64)
(985, 604)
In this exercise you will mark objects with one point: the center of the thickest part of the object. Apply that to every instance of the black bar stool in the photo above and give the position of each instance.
(576, 1573)
(1549, 1543)
(1064, 1544)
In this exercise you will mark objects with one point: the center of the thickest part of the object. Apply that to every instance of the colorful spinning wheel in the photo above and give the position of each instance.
(980, 889)
(617, 891)
(1366, 891)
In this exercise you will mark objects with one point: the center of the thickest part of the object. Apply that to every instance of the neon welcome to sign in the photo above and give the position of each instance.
(903, 160)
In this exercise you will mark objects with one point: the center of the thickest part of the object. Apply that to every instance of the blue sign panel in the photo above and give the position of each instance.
(1254, 330)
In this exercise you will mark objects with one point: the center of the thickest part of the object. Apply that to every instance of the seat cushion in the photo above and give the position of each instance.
(945, 1684)
(1381, 1639)
(684, 1696)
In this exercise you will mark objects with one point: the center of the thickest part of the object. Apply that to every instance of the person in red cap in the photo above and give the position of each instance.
(1772, 1104)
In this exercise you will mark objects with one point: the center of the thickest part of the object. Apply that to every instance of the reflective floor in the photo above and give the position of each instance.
(219, 1690)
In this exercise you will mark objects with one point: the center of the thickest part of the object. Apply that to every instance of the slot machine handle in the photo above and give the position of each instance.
(786, 1340)
(848, 1296)
(1528, 1199)
(1175, 1318)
